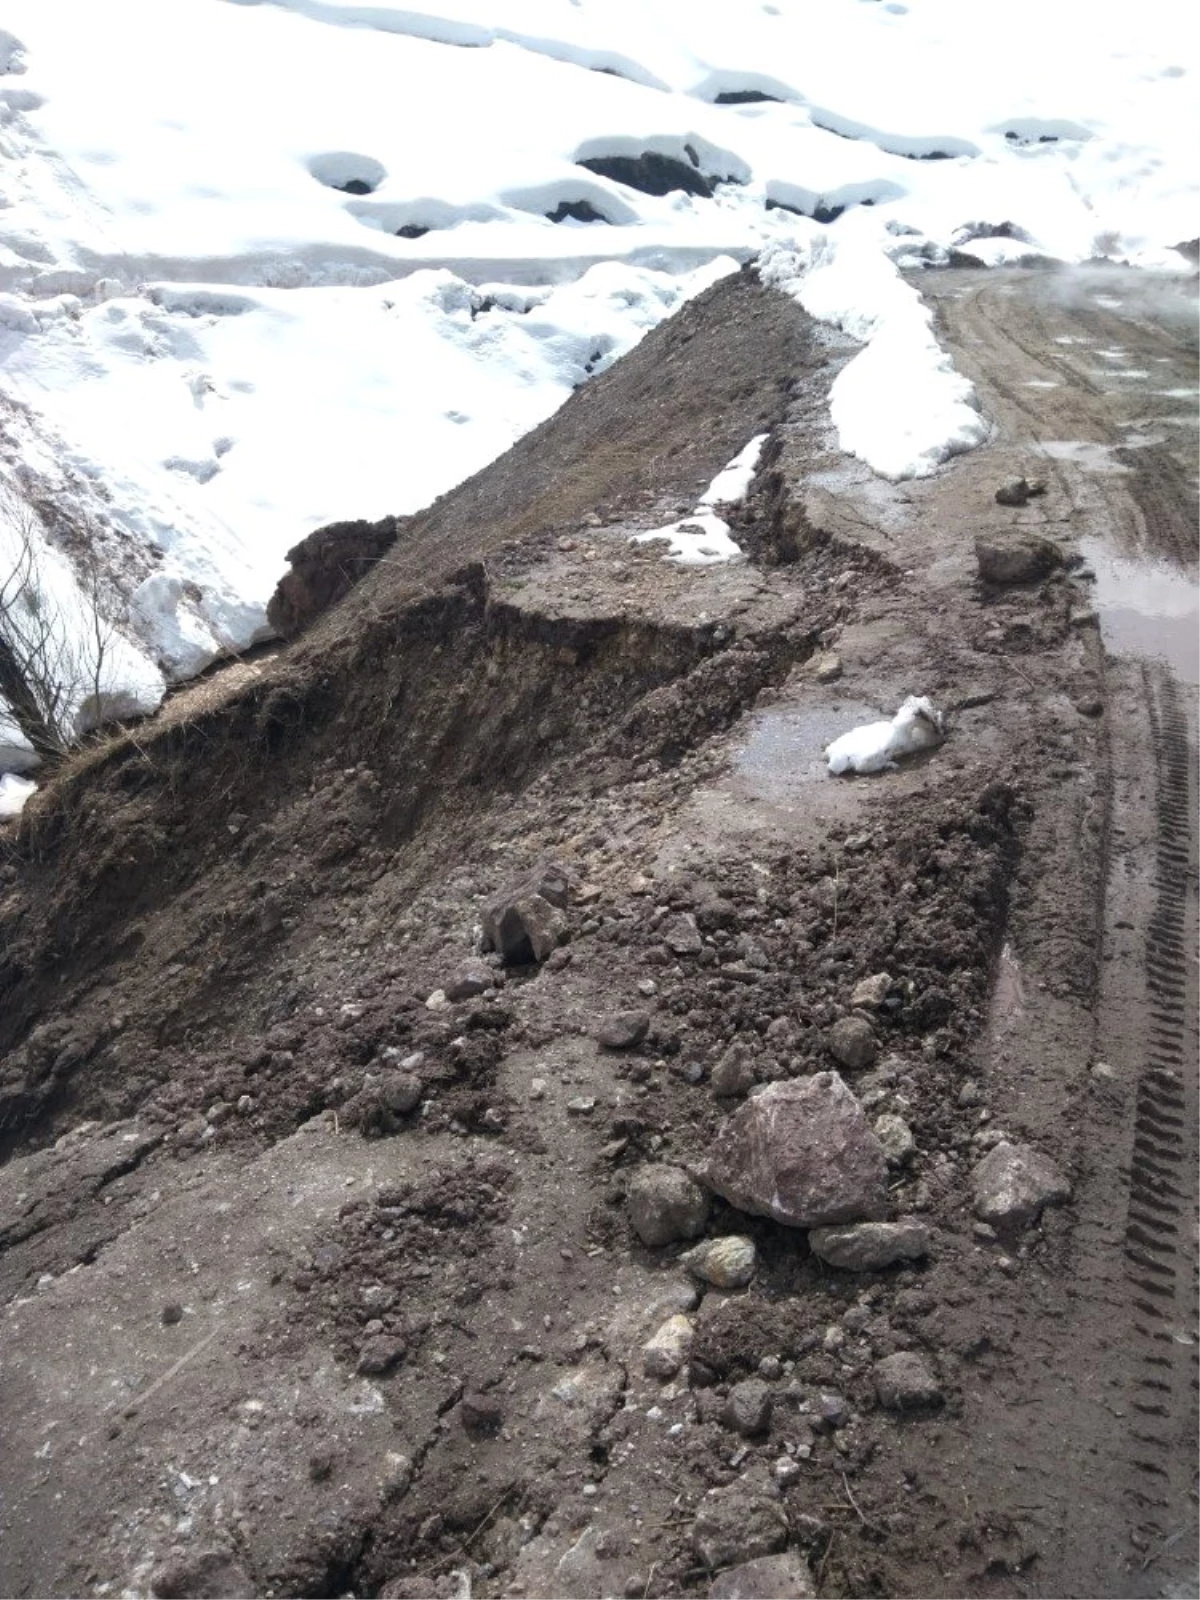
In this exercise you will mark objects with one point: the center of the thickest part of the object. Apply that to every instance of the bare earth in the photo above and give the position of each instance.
(265, 1333)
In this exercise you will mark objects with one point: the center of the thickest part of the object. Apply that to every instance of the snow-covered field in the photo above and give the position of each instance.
(268, 265)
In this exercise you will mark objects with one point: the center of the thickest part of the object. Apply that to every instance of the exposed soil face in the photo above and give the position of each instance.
(316, 1247)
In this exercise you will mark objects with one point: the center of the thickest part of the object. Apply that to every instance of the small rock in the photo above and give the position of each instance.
(1015, 557)
(800, 1151)
(320, 1465)
(623, 1029)
(1102, 1069)
(469, 981)
(1013, 1182)
(852, 1042)
(437, 1001)
(870, 993)
(209, 1571)
(896, 1137)
(970, 1094)
(827, 668)
(399, 1091)
(735, 1525)
(870, 1246)
(1089, 705)
(1013, 492)
(481, 1413)
(748, 1408)
(903, 1382)
(581, 1105)
(832, 1412)
(726, 1263)
(665, 1204)
(683, 937)
(734, 1076)
(782, 1577)
(171, 1313)
(668, 1347)
(379, 1354)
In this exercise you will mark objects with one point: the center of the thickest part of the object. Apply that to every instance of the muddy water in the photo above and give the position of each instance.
(1147, 608)
(785, 749)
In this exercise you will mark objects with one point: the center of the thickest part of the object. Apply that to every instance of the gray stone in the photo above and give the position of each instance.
(668, 1347)
(733, 1076)
(896, 1137)
(399, 1091)
(1013, 492)
(1013, 1182)
(782, 1577)
(481, 1413)
(800, 1151)
(904, 1382)
(623, 1029)
(748, 1408)
(379, 1354)
(1015, 557)
(870, 1246)
(210, 1572)
(726, 1263)
(475, 978)
(827, 668)
(852, 1043)
(734, 1525)
(683, 937)
(665, 1205)
(871, 992)
(527, 920)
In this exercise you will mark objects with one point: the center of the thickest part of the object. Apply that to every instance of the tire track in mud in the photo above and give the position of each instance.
(1160, 1231)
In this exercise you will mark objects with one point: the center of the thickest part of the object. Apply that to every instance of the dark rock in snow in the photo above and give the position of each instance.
(801, 1151)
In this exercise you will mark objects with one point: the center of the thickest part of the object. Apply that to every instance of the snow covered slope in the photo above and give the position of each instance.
(264, 265)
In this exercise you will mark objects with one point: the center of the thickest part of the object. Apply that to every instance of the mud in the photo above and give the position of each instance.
(265, 1334)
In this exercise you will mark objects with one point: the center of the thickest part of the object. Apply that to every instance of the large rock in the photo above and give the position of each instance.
(526, 921)
(733, 1524)
(868, 1246)
(665, 1204)
(801, 1152)
(1015, 557)
(1013, 1182)
(782, 1577)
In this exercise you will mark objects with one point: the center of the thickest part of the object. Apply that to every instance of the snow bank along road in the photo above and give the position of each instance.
(281, 264)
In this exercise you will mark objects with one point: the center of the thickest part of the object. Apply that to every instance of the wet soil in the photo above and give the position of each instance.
(266, 1334)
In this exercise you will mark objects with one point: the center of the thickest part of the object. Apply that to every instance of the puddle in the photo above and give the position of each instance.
(1091, 457)
(785, 748)
(1146, 608)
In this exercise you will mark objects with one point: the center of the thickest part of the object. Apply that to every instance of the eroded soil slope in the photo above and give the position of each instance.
(316, 1250)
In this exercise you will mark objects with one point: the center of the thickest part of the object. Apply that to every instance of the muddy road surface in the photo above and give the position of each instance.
(342, 1255)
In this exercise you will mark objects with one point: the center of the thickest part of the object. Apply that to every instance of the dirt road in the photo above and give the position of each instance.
(316, 1254)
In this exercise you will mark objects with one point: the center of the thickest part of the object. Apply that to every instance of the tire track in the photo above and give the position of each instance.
(1160, 1227)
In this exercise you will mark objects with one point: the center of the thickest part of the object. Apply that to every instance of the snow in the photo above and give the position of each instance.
(282, 263)
(878, 746)
(703, 539)
(14, 792)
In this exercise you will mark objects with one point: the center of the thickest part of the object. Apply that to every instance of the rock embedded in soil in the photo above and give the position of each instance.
(623, 1030)
(665, 1204)
(870, 1246)
(682, 936)
(733, 1524)
(748, 1408)
(734, 1075)
(827, 668)
(481, 1413)
(527, 920)
(668, 1347)
(800, 1151)
(470, 981)
(379, 1354)
(1013, 1183)
(211, 1571)
(896, 1137)
(726, 1263)
(851, 1042)
(1015, 557)
(782, 1577)
(870, 993)
(1013, 492)
(399, 1091)
(904, 1382)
